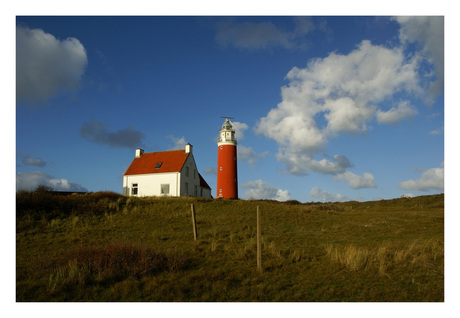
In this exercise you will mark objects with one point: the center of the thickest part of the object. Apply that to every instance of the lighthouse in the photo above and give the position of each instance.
(227, 173)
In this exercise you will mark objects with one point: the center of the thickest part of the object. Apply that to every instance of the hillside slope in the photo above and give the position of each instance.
(106, 247)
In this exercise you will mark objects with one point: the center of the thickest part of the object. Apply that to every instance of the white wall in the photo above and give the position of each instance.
(150, 184)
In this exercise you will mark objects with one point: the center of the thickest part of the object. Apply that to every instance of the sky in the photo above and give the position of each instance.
(326, 108)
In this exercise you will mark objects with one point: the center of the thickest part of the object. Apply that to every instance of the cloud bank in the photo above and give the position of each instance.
(325, 196)
(260, 190)
(428, 32)
(46, 66)
(95, 131)
(239, 129)
(432, 179)
(357, 182)
(247, 153)
(31, 180)
(344, 92)
(178, 143)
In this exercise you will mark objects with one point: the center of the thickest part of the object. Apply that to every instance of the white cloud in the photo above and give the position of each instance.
(300, 163)
(357, 182)
(326, 196)
(432, 179)
(407, 195)
(402, 111)
(428, 31)
(179, 143)
(45, 65)
(239, 129)
(247, 153)
(345, 114)
(346, 91)
(31, 180)
(263, 35)
(259, 189)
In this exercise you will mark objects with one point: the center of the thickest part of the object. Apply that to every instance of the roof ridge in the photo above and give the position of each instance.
(164, 151)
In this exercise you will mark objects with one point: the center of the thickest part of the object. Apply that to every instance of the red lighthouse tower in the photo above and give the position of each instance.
(227, 175)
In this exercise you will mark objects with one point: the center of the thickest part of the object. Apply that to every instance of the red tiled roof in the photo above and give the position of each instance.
(172, 161)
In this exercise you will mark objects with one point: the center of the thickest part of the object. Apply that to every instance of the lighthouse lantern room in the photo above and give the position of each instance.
(227, 174)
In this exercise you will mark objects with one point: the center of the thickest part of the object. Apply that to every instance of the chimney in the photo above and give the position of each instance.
(139, 152)
(188, 148)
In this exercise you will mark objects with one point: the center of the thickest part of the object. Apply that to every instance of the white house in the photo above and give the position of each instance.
(171, 173)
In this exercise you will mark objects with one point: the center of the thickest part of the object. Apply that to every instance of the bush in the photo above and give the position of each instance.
(43, 204)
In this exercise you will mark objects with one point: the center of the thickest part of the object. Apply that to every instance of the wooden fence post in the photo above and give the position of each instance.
(259, 242)
(195, 234)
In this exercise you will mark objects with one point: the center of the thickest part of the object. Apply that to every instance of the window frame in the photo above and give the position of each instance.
(162, 188)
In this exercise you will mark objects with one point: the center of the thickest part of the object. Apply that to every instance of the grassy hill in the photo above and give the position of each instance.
(106, 247)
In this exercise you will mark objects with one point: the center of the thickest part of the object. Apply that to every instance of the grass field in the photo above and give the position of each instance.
(106, 247)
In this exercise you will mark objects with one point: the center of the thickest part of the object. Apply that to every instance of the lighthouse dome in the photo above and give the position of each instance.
(227, 125)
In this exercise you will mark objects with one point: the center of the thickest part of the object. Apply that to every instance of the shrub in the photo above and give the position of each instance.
(42, 204)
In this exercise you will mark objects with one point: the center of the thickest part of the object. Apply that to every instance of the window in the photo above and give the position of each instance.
(158, 165)
(187, 171)
(165, 189)
(134, 189)
(220, 169)
(186, 188)
(194, 174)
(196, 191)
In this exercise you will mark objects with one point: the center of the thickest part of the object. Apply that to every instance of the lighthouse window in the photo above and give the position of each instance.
(220, 147)
(220, 190)
(220, 168)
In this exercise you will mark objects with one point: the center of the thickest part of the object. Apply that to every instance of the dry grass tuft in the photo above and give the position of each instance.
(386, 256)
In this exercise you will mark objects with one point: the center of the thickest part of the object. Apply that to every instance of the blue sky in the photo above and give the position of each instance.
(326, 108)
